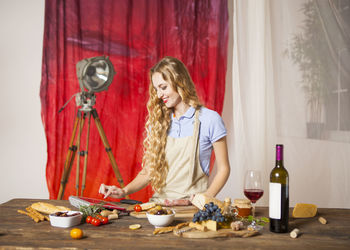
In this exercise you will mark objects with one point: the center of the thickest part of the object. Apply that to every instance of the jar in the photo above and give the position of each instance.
(243, 206)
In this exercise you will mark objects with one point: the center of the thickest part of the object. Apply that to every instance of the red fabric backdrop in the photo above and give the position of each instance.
(135, 35)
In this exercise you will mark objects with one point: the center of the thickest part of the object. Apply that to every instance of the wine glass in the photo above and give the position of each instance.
(253, 187)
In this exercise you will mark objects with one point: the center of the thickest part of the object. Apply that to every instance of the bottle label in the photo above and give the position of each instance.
(275, 200)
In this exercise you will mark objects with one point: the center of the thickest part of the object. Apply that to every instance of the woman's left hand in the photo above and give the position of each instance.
(178, 202)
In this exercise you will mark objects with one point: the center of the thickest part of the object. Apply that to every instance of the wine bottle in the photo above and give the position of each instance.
(279, 195)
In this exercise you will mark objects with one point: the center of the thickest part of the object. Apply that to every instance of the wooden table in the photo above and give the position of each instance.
(17, 230)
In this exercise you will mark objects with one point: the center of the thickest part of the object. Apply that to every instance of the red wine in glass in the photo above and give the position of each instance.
(253, 187)
(253, 194)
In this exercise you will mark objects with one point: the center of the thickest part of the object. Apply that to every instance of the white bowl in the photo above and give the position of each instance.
(70, 221)
(160, 220)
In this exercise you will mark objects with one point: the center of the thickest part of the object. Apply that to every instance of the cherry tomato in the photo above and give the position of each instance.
(96, 222)
(137, 208)
(76, 233)
(104, 220)
(88, 219)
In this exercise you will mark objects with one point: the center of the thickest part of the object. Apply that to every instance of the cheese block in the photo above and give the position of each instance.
(210, 224)
(198, 226)
(199, 200)
(205, 225)
(303, 210)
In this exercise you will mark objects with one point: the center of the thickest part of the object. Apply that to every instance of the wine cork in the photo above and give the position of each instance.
(322, 220)
(295, 233)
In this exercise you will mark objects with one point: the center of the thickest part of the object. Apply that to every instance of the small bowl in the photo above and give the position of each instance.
(69, 221)
(160, 220)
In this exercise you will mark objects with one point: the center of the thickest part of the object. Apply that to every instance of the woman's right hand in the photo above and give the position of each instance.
(111, 191)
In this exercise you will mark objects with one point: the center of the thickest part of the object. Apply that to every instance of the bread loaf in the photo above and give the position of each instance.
(199, 200)
(48, 208)
(148, 205)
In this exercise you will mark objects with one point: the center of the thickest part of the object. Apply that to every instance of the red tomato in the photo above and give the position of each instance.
(88, 219)
(104, 220)
(137, 208)
(96, 222)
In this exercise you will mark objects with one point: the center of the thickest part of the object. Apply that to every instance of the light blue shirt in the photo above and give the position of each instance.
(211, 129)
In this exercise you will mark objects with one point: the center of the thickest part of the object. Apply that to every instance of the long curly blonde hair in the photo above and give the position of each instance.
(158, 121)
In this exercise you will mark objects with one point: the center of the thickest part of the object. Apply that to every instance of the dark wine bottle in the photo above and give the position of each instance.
(279, 195)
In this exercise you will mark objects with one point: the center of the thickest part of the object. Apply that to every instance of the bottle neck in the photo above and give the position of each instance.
(279, 156)
(279, 164)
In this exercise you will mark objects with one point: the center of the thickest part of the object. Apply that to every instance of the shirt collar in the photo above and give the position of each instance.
(189, 113)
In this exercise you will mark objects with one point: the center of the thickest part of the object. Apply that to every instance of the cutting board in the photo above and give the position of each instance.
(180, 212)
(195, 234)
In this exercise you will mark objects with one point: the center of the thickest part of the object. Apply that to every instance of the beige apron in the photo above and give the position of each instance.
(185, 175)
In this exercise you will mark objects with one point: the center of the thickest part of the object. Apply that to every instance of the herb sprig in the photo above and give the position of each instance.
(259, 221)
(90, 209)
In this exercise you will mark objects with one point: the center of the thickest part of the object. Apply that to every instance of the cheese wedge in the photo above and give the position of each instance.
(210, 224)
(302, 210)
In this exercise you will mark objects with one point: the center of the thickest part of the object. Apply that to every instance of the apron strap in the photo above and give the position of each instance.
(195, 148)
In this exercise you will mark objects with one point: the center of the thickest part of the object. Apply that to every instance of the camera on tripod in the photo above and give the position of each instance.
(95, 74)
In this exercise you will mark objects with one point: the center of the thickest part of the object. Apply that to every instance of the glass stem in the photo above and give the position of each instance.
(253, 209)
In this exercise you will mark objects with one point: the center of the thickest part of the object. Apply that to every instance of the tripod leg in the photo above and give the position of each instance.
(69, 159)
(77, 177)
(86, 156)
(108, 148)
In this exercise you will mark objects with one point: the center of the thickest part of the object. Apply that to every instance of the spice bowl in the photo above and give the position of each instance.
(66, 219)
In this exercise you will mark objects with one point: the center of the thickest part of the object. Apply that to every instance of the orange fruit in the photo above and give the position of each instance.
(76, 233)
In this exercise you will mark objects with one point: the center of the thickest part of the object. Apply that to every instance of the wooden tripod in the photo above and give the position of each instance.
(79, 122)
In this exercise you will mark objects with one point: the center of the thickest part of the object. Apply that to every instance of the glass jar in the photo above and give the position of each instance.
(243, 206)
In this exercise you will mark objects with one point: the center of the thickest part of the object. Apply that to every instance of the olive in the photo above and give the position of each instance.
(160, 212)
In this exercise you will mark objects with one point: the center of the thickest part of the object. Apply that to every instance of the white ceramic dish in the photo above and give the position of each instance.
(70, 221)
(160, 220)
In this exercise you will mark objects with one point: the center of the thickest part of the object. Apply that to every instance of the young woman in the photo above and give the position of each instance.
(181, 134)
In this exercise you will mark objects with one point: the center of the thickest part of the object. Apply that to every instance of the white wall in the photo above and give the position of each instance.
(22, 141)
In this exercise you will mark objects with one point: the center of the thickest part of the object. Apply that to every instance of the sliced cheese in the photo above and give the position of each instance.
(135, 226)
(303, 210)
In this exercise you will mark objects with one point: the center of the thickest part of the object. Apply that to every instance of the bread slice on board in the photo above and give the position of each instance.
(48, 208)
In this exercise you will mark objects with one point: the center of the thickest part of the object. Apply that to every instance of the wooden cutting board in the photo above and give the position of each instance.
(195, 234)
(180, 212)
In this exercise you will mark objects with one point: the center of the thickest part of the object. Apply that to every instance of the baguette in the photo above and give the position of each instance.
(161, 230)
